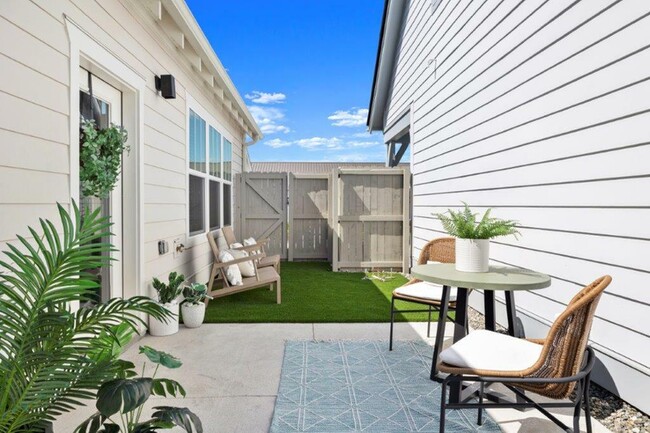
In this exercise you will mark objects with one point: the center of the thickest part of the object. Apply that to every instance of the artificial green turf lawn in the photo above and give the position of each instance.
(311, 292)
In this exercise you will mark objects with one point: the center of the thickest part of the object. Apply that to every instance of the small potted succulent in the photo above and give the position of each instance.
(193, 306)
(167, 298)
(473, 236)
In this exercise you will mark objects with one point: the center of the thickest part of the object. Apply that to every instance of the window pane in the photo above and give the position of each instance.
(197, 143)
(215, 152)
(196, 205)
(227, 160)
(227, 204)
(215, 204)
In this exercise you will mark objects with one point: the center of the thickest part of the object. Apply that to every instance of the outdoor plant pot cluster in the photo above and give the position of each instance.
(192, 306)
(473, 236)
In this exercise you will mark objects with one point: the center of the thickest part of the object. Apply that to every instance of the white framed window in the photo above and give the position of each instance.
(209, 173)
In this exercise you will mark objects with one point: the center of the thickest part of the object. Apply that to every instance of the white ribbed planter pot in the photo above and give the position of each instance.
(472, 255)
(160, 329)
(193, 314)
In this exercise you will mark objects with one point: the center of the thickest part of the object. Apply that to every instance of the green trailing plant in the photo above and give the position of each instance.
(168, 292)
(120, 401)
(195, 294)
(51, 356)
(464, 224)
(100, 158)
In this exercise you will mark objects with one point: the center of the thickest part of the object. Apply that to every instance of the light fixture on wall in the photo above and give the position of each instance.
(166, 85)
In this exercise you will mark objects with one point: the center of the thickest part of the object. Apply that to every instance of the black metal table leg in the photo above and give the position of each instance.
(455, 388)
(440, 330)
(511, 313)
(490, 315)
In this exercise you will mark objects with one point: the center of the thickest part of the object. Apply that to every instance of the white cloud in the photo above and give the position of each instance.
(265, 98)
(269, 119)
(353, 117)
(363, 144)
(277, 143)
(320, 143)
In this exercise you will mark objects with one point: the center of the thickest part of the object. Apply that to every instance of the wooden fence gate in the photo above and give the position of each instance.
(357, 219)
(262, 209)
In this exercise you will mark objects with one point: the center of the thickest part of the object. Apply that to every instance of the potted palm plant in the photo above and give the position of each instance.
(193, 306)
(167, 298)
(473, 236)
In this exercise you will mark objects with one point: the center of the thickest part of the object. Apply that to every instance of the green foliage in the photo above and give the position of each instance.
(125, 397)
(52, 357)
(100, 158)
(463, 224)
(170, 291)
(195, 293)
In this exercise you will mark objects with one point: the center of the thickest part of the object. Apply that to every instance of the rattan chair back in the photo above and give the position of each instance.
(441, 250)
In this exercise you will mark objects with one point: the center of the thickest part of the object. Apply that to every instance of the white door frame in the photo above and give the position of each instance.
(90, 54)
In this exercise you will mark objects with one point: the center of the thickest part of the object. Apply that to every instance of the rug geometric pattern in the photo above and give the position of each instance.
(359, 386)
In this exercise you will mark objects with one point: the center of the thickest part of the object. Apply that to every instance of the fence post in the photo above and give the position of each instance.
(290, 211)
(336, 181)
(406, 220)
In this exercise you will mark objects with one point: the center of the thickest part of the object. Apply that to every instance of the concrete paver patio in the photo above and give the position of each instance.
(231, 373)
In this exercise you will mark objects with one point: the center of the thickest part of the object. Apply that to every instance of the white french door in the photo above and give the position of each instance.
(105, 106)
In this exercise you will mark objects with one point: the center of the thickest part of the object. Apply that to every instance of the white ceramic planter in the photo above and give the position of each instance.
(193, 314)
(160, 329)
(472, 255)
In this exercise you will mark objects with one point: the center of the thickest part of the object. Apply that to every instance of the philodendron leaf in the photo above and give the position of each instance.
(123, 395)
(92, 424)
(180, 416)
(110, 428)
(167, 387)
(162, 358)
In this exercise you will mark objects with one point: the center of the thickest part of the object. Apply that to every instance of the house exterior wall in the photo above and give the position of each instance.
(540, 110)
(35, 166)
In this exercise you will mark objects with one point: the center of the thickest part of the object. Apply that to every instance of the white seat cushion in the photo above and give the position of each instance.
(425, 290)
(247, 269)
(233, 274)
(487, 350)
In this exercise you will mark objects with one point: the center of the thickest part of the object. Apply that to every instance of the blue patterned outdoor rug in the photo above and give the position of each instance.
(354, 386)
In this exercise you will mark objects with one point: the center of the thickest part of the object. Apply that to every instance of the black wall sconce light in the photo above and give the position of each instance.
(166, 85)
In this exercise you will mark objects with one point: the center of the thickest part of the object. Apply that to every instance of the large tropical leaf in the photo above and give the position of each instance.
(123, 395)
(159, 357)
(52, 357)
(180, 416)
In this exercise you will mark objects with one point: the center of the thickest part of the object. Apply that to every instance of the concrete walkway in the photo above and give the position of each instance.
(231, 373)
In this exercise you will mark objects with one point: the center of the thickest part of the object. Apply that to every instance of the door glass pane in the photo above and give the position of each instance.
(196, 205)
(197, 143)
(227, 160)
(93, 108)
(215, 152)
(215, 204)
(227, 204)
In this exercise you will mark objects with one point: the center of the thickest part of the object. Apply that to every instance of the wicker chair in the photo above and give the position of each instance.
(563, 365)
(265, 261)
(441, 250)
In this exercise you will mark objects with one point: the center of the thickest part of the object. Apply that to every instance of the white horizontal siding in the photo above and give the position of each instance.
(34, 112)
(541, 111)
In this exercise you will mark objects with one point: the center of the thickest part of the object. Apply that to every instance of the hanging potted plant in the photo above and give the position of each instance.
(100, 158)
(193, 306)
(167, 298)
(473, 236)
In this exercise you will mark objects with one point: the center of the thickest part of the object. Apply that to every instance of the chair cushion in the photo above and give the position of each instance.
(424, 290)
(220, 239)
(233, 274)
(487, 350)
(247, 269)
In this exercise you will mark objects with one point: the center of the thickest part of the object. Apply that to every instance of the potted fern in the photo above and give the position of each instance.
(193, 306)
(473, 236)
(167, 298)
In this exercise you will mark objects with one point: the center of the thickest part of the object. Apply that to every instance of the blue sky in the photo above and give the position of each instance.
(305, 69)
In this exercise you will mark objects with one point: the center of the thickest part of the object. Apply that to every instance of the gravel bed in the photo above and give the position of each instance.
(614, 413)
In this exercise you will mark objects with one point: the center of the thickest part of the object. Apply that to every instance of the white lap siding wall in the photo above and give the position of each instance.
(34, 110)
(540, 110)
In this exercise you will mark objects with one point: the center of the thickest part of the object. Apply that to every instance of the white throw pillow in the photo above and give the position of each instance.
(251, 241)
(235, 245)
(246, 268)
(221, 240)
(232, 272)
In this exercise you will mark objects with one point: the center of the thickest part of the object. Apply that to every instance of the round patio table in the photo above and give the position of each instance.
(503, 278)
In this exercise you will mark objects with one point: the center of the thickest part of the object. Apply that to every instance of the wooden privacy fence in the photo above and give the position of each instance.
(357, 219)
